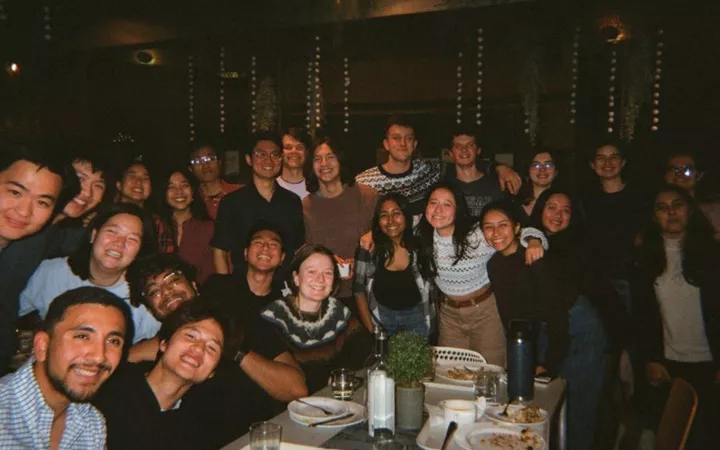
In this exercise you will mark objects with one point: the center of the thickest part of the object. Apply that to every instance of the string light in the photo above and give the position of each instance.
(574, 88)
(346, 106)
(191, 96)
(655, 124)
(459, 88)
(309, 96)
(47, 22)
(480, 49)
(222, 90)
(317, 82)
(611, 91)
(253, 93)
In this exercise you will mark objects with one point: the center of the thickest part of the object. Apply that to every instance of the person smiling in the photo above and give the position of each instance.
(321, 332)
(296, 143)
(192, 228)
(541, 174)
(112, 242)
(206, 166)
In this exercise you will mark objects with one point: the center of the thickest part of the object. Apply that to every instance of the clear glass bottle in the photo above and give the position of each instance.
(380, 390)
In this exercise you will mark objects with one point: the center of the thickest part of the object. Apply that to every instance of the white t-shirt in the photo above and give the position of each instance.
(298, 189)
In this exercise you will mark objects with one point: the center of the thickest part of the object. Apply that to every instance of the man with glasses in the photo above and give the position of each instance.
(205, 165)
(263, 199)
(479, 187)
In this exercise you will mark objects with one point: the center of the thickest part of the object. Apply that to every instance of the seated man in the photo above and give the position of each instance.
(164, 282)
(44, 404)
(144, 404)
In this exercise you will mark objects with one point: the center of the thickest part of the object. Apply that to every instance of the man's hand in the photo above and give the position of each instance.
(534, 251)
(366, 242)
(509, 179)
(346, 262)
(656, 374)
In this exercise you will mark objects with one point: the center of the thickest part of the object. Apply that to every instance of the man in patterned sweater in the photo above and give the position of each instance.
(413, 177)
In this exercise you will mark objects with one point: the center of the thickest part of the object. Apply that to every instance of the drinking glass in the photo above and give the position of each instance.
(342, 383)
(265, 436)
(486, 385)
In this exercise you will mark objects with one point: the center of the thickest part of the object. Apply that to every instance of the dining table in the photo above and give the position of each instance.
(548, 396)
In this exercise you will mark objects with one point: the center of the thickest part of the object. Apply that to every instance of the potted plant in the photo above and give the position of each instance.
(409, 359)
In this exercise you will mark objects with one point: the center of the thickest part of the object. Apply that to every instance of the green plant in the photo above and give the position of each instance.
(409, 358)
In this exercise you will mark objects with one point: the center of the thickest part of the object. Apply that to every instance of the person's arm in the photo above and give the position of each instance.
(553, 299)
(362, 261)
(509, 179)
(535, 242)
(146, 350)
(220, 258)
(281, 377)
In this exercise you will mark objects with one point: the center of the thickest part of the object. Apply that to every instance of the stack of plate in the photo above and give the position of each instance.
(305, 414)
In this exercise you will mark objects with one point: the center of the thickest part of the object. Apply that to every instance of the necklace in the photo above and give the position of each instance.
(304, 315)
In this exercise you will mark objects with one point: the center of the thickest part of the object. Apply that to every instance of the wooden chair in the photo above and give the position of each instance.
(677, 417)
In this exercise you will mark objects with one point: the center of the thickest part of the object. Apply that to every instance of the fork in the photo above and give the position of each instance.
(326, 411)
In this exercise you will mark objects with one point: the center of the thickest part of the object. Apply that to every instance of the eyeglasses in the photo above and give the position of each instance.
(547, 165)
(683, 171)
(274, 156)
(169, 282)
(203, 160)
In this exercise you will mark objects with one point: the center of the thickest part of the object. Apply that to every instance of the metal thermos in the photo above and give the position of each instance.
(520, 361)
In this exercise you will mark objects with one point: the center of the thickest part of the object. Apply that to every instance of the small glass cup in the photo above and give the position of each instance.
(343, 383)
(265, 436)
(486, 385)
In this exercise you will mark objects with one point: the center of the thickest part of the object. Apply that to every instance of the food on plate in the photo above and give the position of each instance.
(526, 440)
(461, 373)
(528, 414)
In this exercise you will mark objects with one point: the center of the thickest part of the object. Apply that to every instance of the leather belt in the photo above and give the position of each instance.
(472, 301)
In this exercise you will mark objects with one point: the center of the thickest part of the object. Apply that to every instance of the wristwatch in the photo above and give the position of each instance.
(239, 356)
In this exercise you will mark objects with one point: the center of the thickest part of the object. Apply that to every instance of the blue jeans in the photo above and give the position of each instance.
(583, 368)
(410, 319)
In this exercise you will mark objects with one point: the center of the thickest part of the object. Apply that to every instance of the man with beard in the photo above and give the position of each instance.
(205, 165)
(44, 404)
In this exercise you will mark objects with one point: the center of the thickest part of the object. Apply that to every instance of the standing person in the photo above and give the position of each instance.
(675, 291)
(112, 242)
(296, 143)
(192, 228)
(31, 183)
(388, 285)
(454, 256)
(143, 403)
(44, 404)
(263, 199)
(571, 340)
(541, 174)
(479, 187)
(321, 333)
(411, 176)
(338, 210)
(205, 165)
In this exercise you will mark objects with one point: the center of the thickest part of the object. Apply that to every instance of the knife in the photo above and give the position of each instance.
(448, 436)
(334, 419)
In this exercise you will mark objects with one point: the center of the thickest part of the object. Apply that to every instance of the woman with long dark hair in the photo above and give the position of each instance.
(542, 172)
(388, 285)
(676, 306)
(192, 228)
(454, 255)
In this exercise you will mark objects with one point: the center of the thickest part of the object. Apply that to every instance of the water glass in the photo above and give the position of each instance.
(265, 436)
(343, 383)
(486, 385)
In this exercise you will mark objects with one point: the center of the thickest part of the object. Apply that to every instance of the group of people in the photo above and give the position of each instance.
(183, 307)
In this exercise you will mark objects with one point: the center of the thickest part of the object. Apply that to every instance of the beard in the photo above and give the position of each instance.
(60, 384)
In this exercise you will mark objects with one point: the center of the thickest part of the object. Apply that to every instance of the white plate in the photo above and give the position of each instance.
(310, 414)
(355, 408)
(478, 436)
(442, 371)
(494, 415)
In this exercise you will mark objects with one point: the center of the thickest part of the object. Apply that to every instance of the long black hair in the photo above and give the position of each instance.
(568, 239)
(699, 246)
(311, 181)
(384, 251)
(463, 225)
(79, 261)
(198, 210)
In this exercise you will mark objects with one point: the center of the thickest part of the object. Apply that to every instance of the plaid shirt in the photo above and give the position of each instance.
(365, 276)
(165, 241)
(26, 419)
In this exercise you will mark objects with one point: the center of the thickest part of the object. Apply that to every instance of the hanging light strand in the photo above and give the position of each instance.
(611, 91)
(47, 22)
(459, 88)
(253, 93)
(659, 47)
(222, 90)
(346, 85)
(574, 87)
(479, 89)
(317, 83)
(191, 96)
(309, 97)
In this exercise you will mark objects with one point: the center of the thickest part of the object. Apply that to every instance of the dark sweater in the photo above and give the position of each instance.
(532, 293)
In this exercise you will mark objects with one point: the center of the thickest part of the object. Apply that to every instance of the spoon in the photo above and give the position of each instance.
(327, 412)
(449, 434)
(504, 411)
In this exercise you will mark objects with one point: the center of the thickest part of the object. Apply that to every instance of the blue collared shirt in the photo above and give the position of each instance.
(26, 418)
